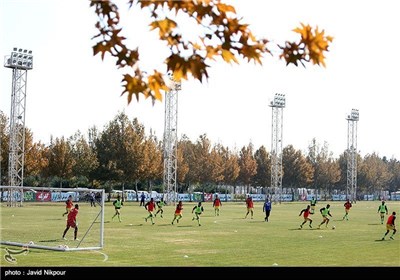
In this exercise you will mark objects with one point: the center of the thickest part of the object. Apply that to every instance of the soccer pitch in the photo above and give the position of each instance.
(227, 240)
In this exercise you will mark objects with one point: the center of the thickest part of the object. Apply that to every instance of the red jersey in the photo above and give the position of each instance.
(217, 202)
(179, 208)
(71, 220)
(306, 212)
(347, 205)
(150, 206)
(69, 204)
(249, 203)
(72, 215)
(390, 220)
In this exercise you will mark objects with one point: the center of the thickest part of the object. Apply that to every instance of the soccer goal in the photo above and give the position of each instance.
(40, 221)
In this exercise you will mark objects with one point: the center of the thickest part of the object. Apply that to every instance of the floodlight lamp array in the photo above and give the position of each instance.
(178, 85)
(355, 114)
(175, 84)
(279, 100)
(21, 58)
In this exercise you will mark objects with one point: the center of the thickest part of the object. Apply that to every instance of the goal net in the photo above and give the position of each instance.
(36, 218)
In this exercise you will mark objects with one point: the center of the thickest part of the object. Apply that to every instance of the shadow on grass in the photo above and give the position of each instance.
(209, 216)
(132, 225)
(156, 224)
(375, 224)
(258, 221)
(184, 226)
(52, 240)
(304, 228)
(379, 240)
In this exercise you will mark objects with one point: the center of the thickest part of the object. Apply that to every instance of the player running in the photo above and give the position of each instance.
(306, 215)
(178, 212)
(326, 213)
(347, 205)
(150, 207)
(198, 209)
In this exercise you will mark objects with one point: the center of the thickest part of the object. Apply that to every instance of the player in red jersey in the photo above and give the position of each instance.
(178, 212)
(68, 205)
(150, 207)
(217, 205)
(347, 205)
(71, 222)
(390, 226)
(250, 206)
(306, 215)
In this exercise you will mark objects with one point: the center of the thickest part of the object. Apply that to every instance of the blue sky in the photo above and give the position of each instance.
(69, 89)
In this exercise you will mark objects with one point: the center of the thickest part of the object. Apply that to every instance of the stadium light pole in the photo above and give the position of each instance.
(351, 186)
(277, 105)
(20, 61)
(171, 140)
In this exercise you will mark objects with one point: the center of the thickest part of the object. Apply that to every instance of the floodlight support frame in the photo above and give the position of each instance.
(277, 106)
(20, 61)
(351, 152)
(170, 142)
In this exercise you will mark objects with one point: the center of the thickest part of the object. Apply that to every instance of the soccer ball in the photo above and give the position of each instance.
(333, 227)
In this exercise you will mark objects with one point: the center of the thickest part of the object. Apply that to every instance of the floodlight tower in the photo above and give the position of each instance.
(170, 140)
(20, 61)
(276, 143)
(351, 187)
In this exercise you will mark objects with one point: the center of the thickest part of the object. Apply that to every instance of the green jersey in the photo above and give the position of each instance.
(313, 202)
(382, 208)
(325, 211)
(198, 209)
(160, 203)
(117, 203)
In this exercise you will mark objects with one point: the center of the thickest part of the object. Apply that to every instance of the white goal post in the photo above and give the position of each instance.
(40, 221)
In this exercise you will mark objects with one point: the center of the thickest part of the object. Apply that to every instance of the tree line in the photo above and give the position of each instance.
(122, 155)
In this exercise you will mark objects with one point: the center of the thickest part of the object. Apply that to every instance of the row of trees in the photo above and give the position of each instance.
(122, 155)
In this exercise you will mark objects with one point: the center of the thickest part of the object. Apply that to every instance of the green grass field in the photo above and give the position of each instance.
(227, 240)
